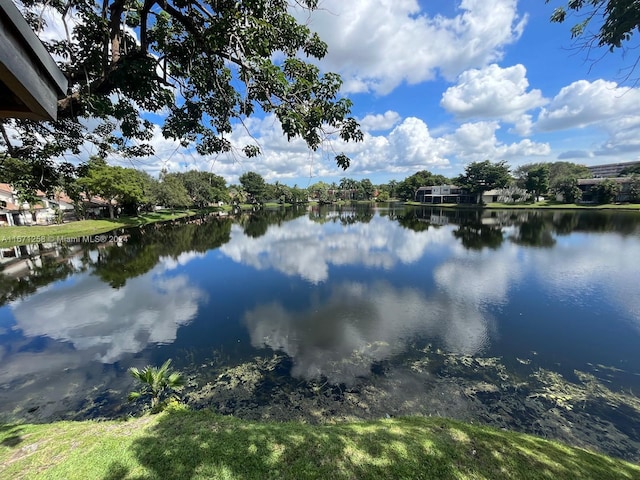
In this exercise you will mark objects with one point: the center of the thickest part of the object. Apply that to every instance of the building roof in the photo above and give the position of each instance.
(94, 201)
(610, 169)
(10, 207)
(439, 186)
(62, 197)
(30, 81)
(594, 181)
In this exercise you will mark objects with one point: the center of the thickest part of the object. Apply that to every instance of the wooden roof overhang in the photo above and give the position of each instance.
(30, 81)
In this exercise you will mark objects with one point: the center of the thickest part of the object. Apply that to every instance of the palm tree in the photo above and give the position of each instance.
(392, 188)
(154, 381)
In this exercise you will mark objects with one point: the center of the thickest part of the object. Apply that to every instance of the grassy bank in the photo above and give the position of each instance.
(533, 206)
(10, 236)
(564, 206)
(202, 445)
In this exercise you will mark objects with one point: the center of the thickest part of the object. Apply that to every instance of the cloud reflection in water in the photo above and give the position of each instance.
(360, 324)
(342, 336)
(107, 322)
(82, 324)
(305, 248)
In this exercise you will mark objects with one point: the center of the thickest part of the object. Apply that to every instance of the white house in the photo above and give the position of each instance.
(14, 213)
(9, 209)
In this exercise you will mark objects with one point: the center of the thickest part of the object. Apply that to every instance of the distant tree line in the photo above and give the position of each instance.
(133, 190)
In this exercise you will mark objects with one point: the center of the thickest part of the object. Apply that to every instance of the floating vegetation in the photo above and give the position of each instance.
(575, 407)
(531, 399)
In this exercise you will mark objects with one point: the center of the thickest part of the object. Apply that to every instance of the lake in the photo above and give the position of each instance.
(526, 320)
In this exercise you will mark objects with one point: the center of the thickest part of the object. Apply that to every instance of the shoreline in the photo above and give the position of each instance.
(529, 206)
(15, 236)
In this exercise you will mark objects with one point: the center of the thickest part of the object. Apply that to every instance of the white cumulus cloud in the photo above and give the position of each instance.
(477, 141)
(381, 121)
(494, 93)
(584, 103)
(396, 41)
(602, 105)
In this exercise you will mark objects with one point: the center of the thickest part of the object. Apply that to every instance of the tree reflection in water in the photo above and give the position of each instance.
(351, 310)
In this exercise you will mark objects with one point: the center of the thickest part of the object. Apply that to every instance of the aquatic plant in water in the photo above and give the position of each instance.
(156, 383)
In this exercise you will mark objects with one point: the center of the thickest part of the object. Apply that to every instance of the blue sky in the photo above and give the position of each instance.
(438, 84)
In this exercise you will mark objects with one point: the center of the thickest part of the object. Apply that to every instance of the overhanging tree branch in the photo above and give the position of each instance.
(201, 50)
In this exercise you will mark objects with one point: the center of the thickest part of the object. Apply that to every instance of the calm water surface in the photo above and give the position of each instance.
(523, 320)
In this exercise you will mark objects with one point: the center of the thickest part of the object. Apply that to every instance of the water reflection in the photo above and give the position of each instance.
(112, 263)
(107, 322)
(145, 247)
(43, 268)
(582, 265)
(68, 331)
(351, 296)
(535, 232)
(307, 248)
(255, 224)
(343, 336)
(129, 299)
(73, 317)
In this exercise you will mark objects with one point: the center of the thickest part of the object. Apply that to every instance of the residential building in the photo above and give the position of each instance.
(13, 212)
(610, 170)
(452, 194)
(46, 211)
(6, 205)
(444, 194)
(586, 184)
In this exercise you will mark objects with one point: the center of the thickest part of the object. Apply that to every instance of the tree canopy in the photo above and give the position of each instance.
(534, 178)
(407, 188)
(123, 185)
(601, 23)
(568, 188)
(200, 66)
(564, 172)
(254, 185)
(204, 188)
(606, 191)
(620, 18)
(170, 191)
(478, 177)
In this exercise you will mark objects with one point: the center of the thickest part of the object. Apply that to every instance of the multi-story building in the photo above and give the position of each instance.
(453, 194)
(586, 185)
(610, 170)
(444, 194)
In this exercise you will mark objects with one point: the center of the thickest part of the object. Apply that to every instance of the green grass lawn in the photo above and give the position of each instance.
(276, 205)
(203, 445)
(545, 204)
(10, 236)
